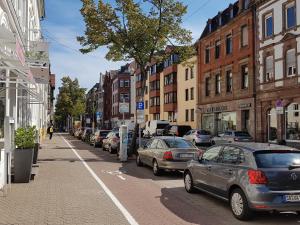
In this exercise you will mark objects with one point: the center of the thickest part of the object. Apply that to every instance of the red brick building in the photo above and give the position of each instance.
(226, 71)
(107, 98)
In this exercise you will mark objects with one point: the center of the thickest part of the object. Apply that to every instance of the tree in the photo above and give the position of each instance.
(136, 30)
(70, 101)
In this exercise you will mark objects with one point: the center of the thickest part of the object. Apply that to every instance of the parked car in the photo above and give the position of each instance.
(111, 142)
(232, 136)
(97, 138)
(199, 137)
(166, 152)
(250, 176)
(86, 134)
(177, 130)
(155, 127)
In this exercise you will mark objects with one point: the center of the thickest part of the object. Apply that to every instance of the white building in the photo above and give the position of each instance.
(278, 80)
(24, 73)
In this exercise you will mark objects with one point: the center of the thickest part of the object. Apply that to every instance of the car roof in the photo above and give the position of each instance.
(253, 146)
(168, 137)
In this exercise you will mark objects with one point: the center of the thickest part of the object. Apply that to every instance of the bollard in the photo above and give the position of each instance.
(123, 143)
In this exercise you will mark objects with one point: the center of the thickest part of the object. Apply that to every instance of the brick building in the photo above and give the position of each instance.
(226, 71)
(107, 98)
(278, 81)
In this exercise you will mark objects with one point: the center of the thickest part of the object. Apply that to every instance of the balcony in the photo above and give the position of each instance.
(170, 88)
(171, 107)
(154, 93)
(154, 77)
(154, 109)
(170, 69)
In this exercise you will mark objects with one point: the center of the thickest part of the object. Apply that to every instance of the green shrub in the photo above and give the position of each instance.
(25, 137)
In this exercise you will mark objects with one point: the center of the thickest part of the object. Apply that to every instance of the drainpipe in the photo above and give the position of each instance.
(255, 71)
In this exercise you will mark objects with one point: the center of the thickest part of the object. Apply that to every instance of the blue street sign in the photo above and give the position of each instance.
(140, 105)
(99, 114)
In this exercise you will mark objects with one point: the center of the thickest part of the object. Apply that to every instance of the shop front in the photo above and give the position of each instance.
(232, 115)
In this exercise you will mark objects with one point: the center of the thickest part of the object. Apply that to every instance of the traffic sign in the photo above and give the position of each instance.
(140, 117)
(140, 106)
(124, 107)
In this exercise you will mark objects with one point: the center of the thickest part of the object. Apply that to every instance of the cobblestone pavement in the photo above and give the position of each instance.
(63, 192)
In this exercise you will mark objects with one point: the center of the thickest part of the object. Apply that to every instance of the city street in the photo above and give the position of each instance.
(65, 192)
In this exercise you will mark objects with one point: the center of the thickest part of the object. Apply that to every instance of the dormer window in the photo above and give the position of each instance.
(246, 4)
(209, 27)
(231, 13)
(220, 20)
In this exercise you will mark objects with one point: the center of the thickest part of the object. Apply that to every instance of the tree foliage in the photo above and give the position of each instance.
(136, 29)
(70, 100)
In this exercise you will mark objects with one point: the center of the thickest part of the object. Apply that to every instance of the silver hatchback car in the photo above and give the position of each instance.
(250, 176)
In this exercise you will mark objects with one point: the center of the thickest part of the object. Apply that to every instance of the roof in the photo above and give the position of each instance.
(169, 137)
(251, 146)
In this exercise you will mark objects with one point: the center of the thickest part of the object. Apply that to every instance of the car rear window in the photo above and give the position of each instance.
(104, 133)
(203, 132)
(277, 159)
(241, 134)
(161, 126)
(178, 143)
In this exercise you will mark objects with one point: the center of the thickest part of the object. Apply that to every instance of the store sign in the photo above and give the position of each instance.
(124, 107)
(214, 109)
(245, 105)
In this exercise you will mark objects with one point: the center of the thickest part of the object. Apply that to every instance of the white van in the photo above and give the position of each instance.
(155, 127)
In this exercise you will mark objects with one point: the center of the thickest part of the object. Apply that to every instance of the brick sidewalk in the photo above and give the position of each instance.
(63, 192)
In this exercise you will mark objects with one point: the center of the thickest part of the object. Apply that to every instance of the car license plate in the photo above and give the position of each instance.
(292, 198)
(186, 155)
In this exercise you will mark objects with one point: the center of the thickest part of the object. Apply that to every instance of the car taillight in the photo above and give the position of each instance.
(236, 139)
(168, 156)
(257, 177)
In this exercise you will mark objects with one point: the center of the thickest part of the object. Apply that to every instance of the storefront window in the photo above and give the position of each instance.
(208, 122)
(293, 122)
(227, 121)
(272, 125)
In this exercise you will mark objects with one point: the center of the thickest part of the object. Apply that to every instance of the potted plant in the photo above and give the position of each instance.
(23, 156)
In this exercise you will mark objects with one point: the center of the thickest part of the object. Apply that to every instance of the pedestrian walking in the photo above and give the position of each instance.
(50, 130)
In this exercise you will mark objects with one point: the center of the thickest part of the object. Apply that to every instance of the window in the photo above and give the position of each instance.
(291, 62)
(186, 74)
(232, 155)
(124, 97)
(170, 79)
(121, 83)
(192, 114)
(186, 115)
(153, 69)
(229, 44)
(228, 81)
(126, 83)
(171, 116)
(192, 72)
(207, 86)
(154, 85)
(293, 122)
(268, 25)
(290, 15)
(146, 104)
(186, 94)
(218, 84)
(207, 54)
(212, 154)
(192, 93)
(170, 97)
(154, 101)
(244, 36)
(269, 69)
(245, 4)
(217, 49)
(245, 77)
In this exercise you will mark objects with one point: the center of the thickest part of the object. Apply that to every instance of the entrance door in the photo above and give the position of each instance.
(245, 120)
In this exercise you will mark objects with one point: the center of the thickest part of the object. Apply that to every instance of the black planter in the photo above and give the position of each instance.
(36, 152)
(22, 165)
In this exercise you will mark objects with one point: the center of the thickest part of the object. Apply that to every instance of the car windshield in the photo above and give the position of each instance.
(203, 132)
(104, 133)
(241, 134)
(161, 126)
(178, 143)
(277, 159)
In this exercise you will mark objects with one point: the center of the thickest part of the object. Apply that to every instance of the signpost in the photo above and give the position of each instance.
(279, 107)
(124, 108)
(140, 118)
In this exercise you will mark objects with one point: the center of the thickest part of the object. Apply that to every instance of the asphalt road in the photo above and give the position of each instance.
(163, 200)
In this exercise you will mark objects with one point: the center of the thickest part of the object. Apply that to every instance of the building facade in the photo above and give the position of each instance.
(107, 98)
(226, 71)
(278, 80)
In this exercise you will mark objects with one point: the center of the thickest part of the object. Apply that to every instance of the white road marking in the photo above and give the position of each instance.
(121, 177)
(124, 211)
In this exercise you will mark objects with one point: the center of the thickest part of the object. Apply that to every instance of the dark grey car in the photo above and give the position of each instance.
(251, 176)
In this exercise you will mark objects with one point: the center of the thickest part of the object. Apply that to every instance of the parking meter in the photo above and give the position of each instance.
(123, 143)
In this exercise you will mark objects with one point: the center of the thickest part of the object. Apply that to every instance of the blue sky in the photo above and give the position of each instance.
(64, 22)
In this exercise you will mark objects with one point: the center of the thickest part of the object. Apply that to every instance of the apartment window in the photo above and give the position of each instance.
(290, 15)
(244, 36)
(186, 115)
(218, 84)
(245, 4)
(217, 49)
(192, 114)
(207, 86)
(192, 72)
(186, 94)
(245, 77)
(121, 83)
(228, 81)
(268, 25)
(186, 74)
(146, 104)
(126, 83)
(269, 68)
(207, 54)
(229, 44)
(124, 97)
(296, 110)
(154, 101)
(154, 85)
(170, 97)
(170, 79)
(192, 93)
(291, 62)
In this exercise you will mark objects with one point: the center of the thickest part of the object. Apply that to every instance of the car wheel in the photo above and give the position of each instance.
(138, 161)
(239, 205)
(156, 169)
(188, 183)
(213, 142)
